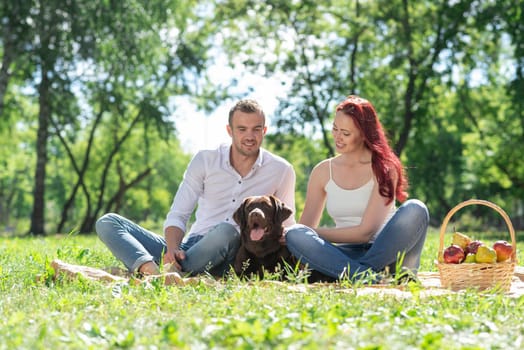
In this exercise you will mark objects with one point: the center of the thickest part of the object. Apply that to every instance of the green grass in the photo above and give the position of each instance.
(82, 314)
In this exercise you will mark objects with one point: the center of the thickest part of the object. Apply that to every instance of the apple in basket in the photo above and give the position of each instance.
(472, 247)
(470, 258)
(503, 249)
(453, 254)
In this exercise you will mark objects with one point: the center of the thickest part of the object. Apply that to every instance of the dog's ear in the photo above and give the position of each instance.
(282, 212)
(240, 214)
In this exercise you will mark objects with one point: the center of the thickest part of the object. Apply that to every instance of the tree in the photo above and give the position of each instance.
(402, 55)
(445, 77)
(121, 62)
(132, 86)
(14, 35)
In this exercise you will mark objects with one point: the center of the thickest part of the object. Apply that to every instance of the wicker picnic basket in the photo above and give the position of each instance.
(480, 276)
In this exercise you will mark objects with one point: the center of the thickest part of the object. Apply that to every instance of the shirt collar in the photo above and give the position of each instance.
(226, 149)
(260, 158)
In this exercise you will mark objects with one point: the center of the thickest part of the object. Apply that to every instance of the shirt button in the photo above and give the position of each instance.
(239, 182)
(233, 200)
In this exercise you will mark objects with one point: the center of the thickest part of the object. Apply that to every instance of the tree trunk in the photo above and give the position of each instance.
(4, 76)
(115, 202)
(91, 214)
(37, 217)
(80, 171)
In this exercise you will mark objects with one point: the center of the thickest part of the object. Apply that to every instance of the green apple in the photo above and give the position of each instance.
(470, 258)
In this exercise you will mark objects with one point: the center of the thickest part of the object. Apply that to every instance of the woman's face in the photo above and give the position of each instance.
(347, 136)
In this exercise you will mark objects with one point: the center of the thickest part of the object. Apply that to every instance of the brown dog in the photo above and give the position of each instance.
(260, 219)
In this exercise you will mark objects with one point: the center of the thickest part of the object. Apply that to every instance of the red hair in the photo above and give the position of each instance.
(383, 159)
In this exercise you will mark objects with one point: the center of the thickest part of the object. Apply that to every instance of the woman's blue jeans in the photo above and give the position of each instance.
(400, 242)
(213, 252)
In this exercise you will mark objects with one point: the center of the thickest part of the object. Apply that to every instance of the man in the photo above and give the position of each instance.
(215, 182)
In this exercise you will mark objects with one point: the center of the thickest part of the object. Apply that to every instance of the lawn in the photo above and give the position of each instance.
(82, 314)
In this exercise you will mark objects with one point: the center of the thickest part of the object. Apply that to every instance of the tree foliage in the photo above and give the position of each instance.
(87, 91)
(443, 76)
(102, 73)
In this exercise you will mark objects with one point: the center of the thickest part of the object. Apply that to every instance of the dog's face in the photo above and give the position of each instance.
(260, 219)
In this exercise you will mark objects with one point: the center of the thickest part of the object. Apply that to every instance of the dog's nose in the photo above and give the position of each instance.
(257, 212)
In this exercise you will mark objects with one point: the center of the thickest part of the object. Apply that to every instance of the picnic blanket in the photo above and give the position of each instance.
(429, 281)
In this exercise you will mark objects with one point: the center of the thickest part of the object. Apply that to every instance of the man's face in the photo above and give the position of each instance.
(247, 132)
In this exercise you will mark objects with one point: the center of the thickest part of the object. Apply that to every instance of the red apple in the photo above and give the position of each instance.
(503, 249)
(454, 254)
(472, 247)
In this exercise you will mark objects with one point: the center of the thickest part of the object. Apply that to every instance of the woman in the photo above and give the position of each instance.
(359, 188)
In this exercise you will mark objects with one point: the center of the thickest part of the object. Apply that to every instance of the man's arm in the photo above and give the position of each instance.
(187, 195)
(181, 209)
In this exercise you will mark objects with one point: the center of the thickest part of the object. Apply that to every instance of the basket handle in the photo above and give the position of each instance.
(488, 204)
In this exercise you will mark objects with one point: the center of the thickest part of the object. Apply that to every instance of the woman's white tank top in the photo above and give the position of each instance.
(347, 207)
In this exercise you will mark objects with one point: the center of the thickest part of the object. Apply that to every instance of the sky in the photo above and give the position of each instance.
(197, 130)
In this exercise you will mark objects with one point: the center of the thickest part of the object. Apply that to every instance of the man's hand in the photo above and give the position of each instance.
(174, 255)
(174, 258)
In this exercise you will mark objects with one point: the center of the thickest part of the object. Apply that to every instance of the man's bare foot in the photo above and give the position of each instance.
(171, 268)
(170, 274)
(149, 268)
(173, 278)
(169, 279)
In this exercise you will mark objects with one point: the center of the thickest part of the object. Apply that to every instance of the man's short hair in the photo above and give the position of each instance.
(246, 106)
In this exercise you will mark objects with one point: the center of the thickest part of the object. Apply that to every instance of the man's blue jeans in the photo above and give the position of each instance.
(133, 245)
(404, 234)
